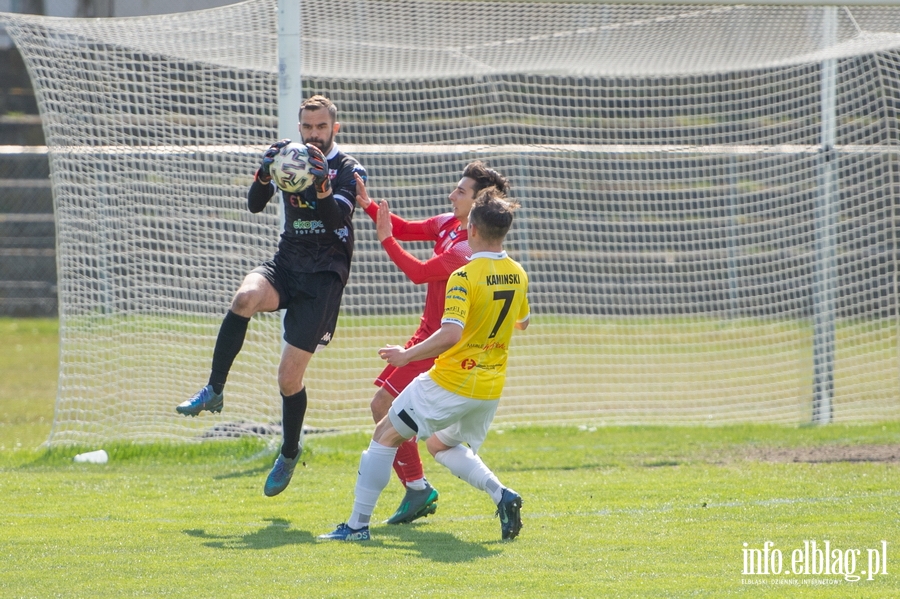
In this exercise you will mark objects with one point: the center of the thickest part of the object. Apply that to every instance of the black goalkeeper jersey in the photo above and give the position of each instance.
(318, 234)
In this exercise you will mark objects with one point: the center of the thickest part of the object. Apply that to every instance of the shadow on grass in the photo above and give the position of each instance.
(532, 467)
(244, 473)
(432, 545)
(277, 534)
(435, 546)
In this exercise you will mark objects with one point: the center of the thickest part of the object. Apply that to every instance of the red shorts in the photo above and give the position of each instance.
(394, 380)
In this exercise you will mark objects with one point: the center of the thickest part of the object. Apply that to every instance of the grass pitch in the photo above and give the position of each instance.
(610, 511)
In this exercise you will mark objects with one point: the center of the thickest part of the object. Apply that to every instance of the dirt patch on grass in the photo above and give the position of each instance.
(825, 453)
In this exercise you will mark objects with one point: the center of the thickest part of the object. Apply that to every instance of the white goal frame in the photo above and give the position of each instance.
(630, 346)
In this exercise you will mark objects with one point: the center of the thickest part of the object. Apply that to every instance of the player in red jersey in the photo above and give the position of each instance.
(451, 251)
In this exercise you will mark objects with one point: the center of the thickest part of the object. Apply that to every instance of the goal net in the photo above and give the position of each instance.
(708, 202)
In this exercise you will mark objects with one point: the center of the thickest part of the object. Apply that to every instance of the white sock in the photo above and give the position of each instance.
(374, 475)
(416, 485)
(466, 465)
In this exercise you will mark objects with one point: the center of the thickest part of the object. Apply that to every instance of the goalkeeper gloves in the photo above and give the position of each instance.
(263, 175)
(318, 167)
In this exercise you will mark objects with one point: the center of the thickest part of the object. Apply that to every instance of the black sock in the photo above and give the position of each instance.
(293, 410)
(228, 345)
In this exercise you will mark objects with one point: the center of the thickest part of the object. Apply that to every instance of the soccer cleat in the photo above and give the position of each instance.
(280, 476)
(415, 505)
(509, 510)
(344, 533)
(205, 399)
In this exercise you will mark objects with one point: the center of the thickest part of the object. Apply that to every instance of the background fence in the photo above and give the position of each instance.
(27, 230)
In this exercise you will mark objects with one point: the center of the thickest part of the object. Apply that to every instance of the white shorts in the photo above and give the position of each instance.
(425, 408)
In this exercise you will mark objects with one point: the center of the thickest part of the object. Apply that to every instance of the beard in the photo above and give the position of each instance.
(323, 145)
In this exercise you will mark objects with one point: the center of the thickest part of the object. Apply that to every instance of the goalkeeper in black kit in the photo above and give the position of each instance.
(306, 277)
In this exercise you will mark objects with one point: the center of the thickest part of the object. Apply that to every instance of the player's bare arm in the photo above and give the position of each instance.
(383, 226)
(440, 341)
(362, 195)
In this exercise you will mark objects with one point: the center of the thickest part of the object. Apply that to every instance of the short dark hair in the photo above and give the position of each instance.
(316, 102)
(492, 213)
(485, 177)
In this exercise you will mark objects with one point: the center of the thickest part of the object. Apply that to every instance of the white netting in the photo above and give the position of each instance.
(676, 222)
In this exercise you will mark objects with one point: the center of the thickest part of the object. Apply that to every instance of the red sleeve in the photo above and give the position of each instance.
(436, 268)
(405, 230)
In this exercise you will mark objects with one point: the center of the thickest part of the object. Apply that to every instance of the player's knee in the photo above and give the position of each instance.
(290, 380)
(246, 301)
(380, 404)
(436, 446)
(256, 294)
(386, 434)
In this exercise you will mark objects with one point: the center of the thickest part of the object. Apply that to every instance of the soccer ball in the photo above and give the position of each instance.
(290, 168)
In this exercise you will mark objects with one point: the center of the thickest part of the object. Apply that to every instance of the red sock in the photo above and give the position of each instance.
(408, 464)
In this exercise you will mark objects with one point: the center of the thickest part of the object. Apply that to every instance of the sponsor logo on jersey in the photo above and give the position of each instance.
(298, 202)
(308, 227)
(462, 290)
(343, 233)
(467, 364)
(462, 274)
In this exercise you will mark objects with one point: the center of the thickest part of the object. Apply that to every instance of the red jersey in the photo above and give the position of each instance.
(451, 250)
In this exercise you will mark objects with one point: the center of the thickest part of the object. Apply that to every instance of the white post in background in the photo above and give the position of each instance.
(290, 92)
(826, 236)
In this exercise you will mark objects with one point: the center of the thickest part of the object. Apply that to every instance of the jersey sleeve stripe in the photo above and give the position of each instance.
(343, 199)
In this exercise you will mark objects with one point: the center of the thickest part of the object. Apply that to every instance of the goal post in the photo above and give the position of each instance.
(708, 192)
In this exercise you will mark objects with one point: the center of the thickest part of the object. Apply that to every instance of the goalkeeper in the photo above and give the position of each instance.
(451, 250)
(452, 405)
(306, 277)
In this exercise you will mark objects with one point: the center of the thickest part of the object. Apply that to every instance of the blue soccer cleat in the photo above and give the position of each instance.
(509, 510)
(344, 533)
(205, 399)
(415, 505)
(280, 476)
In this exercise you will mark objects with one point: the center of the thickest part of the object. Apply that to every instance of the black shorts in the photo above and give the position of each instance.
(311, 302)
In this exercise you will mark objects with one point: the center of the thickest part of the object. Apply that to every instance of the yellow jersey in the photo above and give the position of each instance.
(486, 297)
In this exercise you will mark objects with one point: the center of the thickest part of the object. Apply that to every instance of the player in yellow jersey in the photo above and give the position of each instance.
(452, 405)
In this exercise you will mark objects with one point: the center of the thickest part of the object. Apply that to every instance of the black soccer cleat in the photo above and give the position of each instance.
(509, 509)
(415, 505)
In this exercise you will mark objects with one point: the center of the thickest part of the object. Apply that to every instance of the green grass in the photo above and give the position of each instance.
(599, 370)
(28, 374)
(609, 511)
